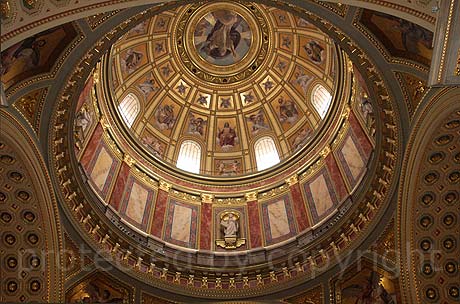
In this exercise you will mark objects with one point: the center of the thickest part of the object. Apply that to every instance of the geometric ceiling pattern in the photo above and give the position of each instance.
(437, 230)
(193, 83)
(435, 212)
(30, 244)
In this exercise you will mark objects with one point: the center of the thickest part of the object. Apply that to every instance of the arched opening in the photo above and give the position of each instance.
(129, 109)
(189, 157)
(321, 99)
(266, 153)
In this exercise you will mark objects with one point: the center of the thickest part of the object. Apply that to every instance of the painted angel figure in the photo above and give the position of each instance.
(131, 60)
(303, 80)
(165, 117)
(287, 111)
(196, 125)
(148, 86)
(258, 122)
(314, 51)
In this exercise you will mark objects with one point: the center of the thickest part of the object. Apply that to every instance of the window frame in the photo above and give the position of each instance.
(321, 101)
(129, 109)
(268, 158)
(195, 158)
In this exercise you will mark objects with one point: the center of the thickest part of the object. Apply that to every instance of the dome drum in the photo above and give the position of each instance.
(140, 199)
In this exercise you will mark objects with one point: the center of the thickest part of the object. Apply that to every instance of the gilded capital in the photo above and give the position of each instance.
(207, 198)
(165, 186)
(325, 152)
(292, 180)
(251, 196)
(129, 160)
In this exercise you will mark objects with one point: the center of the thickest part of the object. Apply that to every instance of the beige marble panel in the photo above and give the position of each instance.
(101, 169)
(320, 194)
(182, 221)
(352, 157)
(279, 224)
(136, 203)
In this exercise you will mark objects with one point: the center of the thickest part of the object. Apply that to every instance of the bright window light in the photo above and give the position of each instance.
(129, 109)
(321, 99)
(266, 153)
(189, 157)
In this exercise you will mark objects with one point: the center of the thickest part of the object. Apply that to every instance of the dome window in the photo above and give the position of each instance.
(189, 157)
(321, 99)
(266, 153)
(129, 109)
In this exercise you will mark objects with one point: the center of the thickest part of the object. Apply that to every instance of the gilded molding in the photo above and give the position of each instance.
(155, 273)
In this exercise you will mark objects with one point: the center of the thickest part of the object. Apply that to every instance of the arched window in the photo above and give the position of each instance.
(129, 109)
(266, 153)
(321, 99)
(189, 157)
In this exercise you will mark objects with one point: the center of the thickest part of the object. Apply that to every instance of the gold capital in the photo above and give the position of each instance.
(251, 196)
(292, 180)
(165, 186)
(207, 198)
(129, 160)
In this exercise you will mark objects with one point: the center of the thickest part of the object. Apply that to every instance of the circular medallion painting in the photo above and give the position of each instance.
(222, 37)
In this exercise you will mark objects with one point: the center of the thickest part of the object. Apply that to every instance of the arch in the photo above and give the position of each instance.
(24, 156)
(429, 124)
(42, 20)
(321, 99)
(129, 108)
(189, 158)
(266, 153)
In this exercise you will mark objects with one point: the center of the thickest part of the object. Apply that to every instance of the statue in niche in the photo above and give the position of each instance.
(367, 112)
(83, 120)
(229, 223)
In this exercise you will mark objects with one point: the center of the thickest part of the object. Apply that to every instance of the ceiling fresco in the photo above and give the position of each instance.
(213, 218)
(223, 75)
(400, 37)
(35, 54)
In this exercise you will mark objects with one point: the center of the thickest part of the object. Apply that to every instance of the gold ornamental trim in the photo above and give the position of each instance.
(204, 68)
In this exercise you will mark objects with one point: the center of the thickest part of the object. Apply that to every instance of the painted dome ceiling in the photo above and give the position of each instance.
(222, 75)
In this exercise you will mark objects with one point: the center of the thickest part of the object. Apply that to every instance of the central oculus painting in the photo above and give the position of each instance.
(222, 37)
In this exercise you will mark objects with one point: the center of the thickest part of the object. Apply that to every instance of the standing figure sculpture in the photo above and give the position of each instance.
(230, 225)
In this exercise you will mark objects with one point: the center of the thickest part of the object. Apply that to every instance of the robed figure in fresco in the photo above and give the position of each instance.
(227, 136)
(223, 38)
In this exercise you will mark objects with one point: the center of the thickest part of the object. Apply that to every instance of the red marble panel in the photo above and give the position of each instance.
(254, 224)
(359, 132)
(300, 210)
(159, 215)
(205, 226)
(92, 146)
(117, 193)
(336, 176)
